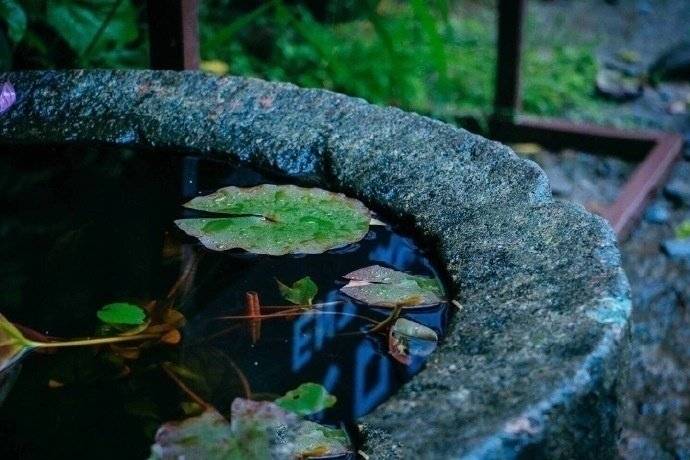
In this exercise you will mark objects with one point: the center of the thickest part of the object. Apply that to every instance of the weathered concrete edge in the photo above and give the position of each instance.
(535, 423)
(531, 429)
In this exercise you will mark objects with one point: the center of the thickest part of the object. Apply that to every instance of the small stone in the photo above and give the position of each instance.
(614, 84)
(678, 190)
(657, 213)
(677, 108)
(677, 249)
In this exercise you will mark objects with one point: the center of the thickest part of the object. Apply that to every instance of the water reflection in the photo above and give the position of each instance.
(113, 240)
(327, 346)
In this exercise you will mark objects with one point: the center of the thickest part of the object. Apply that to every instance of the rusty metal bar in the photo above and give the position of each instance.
(173, 34)
(509, 42)
(657, 151)
(645, 181)
(632, 145)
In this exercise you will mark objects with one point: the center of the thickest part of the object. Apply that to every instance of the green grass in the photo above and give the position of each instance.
(413, 55)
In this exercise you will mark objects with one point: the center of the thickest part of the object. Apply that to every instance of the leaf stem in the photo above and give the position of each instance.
(91, 342)
(183, 386)
(314, 305)
(243, 380)
(289, 314)
(391, 318)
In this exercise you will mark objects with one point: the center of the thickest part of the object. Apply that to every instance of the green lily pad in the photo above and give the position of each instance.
(302, 292)
(277, 220)
(385, 287)
(308, 398)
(122, 313)
(259, 430)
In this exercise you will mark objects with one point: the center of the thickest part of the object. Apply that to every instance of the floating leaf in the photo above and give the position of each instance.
(302, 292)
(122, 313)
(385, 287)
(277, 220)
(407, 338)
(259, 430)
(13, 344)
(306, 399)
(206, 436)
(7, 96)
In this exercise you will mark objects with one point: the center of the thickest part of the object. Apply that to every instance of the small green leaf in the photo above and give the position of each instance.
(122, 313)
(277, 220)
(302, 291)
(14, 16)
(306, 399)
(385, 287)
(683, 230)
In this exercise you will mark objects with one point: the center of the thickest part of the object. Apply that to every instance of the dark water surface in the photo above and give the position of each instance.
(84, 227)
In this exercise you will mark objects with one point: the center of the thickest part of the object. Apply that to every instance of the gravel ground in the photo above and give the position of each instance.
(654, 395)
(590, 180)
(640, 30)
(655, 392)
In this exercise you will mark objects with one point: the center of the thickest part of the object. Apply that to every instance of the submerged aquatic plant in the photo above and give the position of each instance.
(14, 345)
(277, 220)
(257, 429)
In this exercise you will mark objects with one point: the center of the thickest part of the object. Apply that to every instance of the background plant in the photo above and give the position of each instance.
(428, 56)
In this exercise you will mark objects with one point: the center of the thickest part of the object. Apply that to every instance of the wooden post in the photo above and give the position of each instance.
(173, 34)
(509, 40)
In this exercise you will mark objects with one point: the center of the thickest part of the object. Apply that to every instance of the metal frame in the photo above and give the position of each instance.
(173, 32)
(657, 150)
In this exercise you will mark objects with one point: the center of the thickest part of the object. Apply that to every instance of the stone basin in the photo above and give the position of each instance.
(529, 365)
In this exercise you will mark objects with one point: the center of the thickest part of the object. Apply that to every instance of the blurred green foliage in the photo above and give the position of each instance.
(421, 55)
(70, 33)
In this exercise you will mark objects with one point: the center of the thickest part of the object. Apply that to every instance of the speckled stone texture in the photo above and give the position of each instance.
(528, 367)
